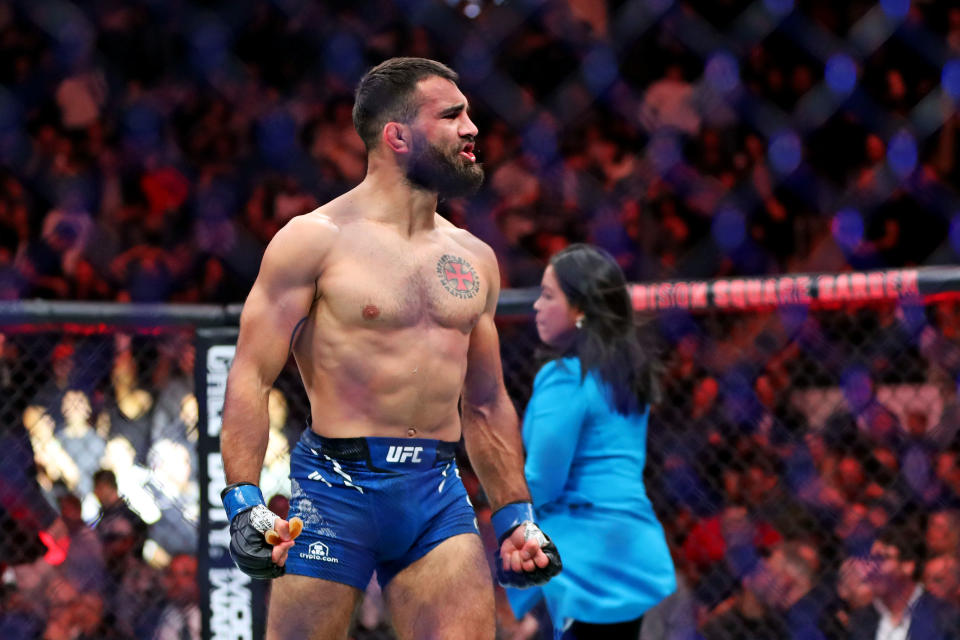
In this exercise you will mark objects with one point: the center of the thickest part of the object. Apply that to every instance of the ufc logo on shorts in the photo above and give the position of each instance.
(402, 454)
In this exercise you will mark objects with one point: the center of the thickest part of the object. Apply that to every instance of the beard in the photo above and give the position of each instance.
(445, 173)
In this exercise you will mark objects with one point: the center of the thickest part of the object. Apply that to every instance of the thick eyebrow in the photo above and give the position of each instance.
(454, 110)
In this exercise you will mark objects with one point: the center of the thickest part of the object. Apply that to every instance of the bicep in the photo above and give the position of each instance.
(267, 323)
(280, 298)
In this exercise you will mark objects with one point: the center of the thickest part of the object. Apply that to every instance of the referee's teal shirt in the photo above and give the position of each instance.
(584, 466)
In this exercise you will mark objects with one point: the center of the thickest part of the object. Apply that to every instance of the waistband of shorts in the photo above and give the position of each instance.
(384, 454)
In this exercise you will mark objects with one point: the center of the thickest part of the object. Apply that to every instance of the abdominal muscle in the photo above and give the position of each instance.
(402, 382)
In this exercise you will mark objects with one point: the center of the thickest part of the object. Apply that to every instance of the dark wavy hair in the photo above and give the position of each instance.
(387, 93)
(608, 341)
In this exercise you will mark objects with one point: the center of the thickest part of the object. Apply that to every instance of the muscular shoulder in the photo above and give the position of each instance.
(301, 246)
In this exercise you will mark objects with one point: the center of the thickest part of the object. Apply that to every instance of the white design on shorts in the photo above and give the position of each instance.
(313, 521)
(318, 551)
(444, 474)
(315, 475)
(343, 474)
(467, 496)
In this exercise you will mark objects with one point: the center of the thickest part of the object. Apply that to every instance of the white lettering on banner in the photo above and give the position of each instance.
(400, 454)
(219, 535)
(231, 616)
(219, 358)
(216, 481)
(219, 541)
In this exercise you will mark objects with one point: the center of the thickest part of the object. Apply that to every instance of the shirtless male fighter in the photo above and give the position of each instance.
(388, 309)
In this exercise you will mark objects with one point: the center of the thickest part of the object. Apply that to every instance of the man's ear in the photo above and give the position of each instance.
(909, 567)
(396, 136)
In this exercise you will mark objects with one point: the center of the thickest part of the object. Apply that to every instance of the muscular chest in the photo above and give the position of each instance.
(405, 285)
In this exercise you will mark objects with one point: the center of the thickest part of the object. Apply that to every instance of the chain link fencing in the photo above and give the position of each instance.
(791, 431)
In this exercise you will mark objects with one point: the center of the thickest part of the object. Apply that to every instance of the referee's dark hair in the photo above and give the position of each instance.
(607, 339)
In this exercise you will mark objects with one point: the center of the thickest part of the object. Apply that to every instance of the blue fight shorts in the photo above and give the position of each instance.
(372, 504)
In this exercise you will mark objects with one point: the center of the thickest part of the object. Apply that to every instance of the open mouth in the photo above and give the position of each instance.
(467, 152)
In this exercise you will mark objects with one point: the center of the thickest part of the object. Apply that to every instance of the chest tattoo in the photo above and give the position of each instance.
(457, 276)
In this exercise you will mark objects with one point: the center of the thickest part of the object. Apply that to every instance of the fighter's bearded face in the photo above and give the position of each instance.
(440, 157)
(447, 169)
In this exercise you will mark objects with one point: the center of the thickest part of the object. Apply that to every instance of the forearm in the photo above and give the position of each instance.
(245, 432)
(492, 437)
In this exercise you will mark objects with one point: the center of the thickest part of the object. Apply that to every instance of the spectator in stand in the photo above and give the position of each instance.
(901, 604)
(53, 463)
(79, 438)
(916, 457)
(132, 585)
(794, 590)
(947, 470)
(275, 474)
(83, 566)
(49, 398)
(180, 615)
(777, 418)
(874, 420)
(173, 487)
(521, 266)
(132, 479)
(942, 535)
(669, 104)
(173, 383)
(723, 548)
(745, 613)
(25, 508)
(941, 577)
(944, 433)
(146, 272)
(114, 507)
(853, 592)
(129, 413)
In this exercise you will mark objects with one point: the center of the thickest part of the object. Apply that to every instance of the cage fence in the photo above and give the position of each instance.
(800, 416)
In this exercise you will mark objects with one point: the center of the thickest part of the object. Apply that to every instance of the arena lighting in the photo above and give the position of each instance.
(664, 152)
(847, 229)
(722, 72)
(955, 233)
(895, 8)
(841, 73)
(950, 78)
(902, 153)
(600, 69)
(729, 229)
(778, 7)
(785, 152)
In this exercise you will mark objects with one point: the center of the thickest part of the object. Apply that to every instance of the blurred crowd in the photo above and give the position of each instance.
(150, 150)
(794, 447)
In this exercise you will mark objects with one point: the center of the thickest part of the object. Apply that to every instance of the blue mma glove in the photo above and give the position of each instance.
(249, 521)
(505, 520)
